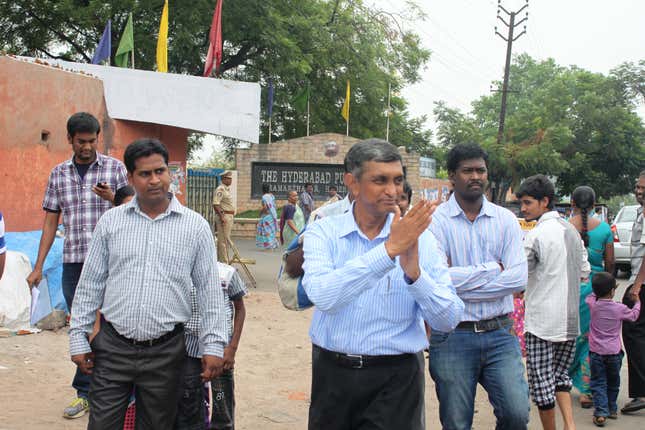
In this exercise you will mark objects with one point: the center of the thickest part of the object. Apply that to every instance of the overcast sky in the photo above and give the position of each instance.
(467, 55)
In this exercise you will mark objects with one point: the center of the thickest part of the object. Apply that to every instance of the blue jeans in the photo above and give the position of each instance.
(461, 359)
(605, 382)
(71, 275)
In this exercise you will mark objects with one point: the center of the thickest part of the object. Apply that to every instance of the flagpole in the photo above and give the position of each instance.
(132, 43)
(269, 129)
(307, 114)
(387, 126)
(348, 124)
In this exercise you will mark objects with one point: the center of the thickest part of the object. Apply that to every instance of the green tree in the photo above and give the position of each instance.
(294, 42)
(565, 122)
(632, 78)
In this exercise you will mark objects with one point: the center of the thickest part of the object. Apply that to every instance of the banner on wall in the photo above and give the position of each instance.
(284, 177)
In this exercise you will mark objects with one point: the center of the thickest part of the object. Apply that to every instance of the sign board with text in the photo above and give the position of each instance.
(284, 177)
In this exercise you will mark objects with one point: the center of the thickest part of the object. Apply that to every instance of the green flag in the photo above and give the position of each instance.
(126, 45)
(299, 102)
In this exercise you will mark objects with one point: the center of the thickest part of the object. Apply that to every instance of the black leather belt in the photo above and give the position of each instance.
(355, 361)
(485, 325)
(179, 328)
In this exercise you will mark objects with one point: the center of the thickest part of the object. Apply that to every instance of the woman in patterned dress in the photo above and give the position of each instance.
(265, 236)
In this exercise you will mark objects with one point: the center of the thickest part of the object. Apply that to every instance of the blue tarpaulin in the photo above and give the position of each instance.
(27, 243)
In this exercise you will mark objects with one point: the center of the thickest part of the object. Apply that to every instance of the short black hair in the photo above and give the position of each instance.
(462, 152)
(370, 150)
(407, 189)
(122, 193)
(602, 283)
(143, 148)
(265, 188)
(308, 184)
(538, 187)
(82, 122)
(333, 187)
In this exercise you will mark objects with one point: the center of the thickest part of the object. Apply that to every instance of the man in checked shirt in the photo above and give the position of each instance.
(145, 258)
(80, 189)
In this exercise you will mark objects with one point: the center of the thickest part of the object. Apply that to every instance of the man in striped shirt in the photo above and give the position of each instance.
(144, 260)
(483, 246)
(374, 278)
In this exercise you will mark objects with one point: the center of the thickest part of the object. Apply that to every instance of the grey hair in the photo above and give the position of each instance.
(370, 150)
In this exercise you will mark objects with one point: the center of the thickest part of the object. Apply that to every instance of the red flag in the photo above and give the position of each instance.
(214, 56)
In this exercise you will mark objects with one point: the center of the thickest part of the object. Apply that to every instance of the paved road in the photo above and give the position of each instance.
(266, 269)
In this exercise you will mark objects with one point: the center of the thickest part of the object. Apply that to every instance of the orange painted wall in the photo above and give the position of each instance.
(175, 139)
(35, 98)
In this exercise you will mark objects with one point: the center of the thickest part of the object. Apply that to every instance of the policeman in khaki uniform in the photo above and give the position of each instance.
(223, 205)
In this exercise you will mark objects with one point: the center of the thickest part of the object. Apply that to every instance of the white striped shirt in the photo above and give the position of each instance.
(475, 250)
(140, 273)
(363, 304)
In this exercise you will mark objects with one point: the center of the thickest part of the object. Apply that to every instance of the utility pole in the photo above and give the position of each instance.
(511, 24)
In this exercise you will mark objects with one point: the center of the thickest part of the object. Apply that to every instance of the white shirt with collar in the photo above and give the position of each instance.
(557, 261)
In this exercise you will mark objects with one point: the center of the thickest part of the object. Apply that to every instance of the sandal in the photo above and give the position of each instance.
(585, 402)
(599, 421)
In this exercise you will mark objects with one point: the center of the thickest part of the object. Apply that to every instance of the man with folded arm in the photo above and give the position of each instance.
(483, 245)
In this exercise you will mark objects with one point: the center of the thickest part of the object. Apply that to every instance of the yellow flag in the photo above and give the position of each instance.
(345, 111)
(162, 41)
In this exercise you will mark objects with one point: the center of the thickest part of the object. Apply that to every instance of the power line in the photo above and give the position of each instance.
(458, 68)
(478, 59)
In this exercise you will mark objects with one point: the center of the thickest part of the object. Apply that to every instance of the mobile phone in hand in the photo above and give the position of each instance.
(101, 185)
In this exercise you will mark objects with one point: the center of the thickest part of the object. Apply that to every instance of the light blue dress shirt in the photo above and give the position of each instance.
(363, 304)
(475, 249)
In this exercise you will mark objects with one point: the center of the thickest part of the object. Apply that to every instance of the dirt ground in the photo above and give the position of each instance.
(273, 373)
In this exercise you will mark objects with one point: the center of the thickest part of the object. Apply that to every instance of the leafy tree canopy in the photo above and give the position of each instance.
(578, 126)
(294, 42)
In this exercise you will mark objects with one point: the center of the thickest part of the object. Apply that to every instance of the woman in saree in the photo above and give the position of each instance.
(265, 236)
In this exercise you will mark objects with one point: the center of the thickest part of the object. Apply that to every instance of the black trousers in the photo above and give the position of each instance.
(155, 371)
(223, 391)
(380, 397)
(191, 414)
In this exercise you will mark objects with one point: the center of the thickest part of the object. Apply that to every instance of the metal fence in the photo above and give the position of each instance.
(201, 189)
